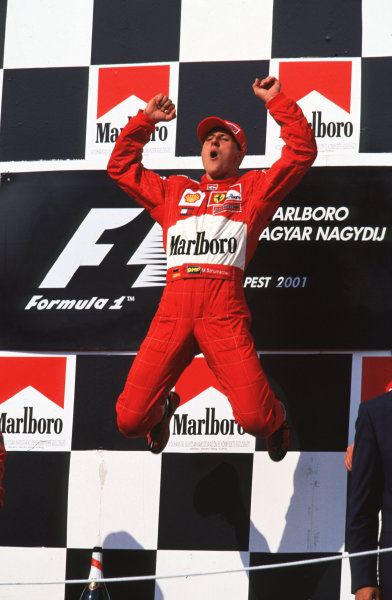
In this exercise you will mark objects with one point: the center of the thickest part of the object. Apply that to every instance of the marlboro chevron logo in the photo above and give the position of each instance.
(204, 421)
(35, 405)
(330, 79)
(116, 93)
(117, 84)
(328, 92)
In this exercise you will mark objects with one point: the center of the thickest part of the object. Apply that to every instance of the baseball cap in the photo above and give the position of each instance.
(212, 122)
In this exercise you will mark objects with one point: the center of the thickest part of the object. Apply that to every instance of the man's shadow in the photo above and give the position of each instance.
(315, 515)
(219, 493)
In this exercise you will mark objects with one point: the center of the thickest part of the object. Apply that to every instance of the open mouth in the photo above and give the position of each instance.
(213, 154)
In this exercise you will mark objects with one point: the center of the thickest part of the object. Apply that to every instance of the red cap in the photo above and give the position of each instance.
(212, 122)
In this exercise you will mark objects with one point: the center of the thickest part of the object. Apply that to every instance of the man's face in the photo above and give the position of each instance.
(220, 154)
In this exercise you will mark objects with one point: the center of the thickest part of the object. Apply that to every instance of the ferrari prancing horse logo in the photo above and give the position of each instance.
(218, 198)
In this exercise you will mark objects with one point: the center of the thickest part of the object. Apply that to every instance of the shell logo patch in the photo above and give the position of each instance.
(192, 198)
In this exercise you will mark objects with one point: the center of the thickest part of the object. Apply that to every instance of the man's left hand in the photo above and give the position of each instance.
(267, 88)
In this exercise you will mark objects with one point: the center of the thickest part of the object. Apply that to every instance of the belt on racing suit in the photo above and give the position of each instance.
(210, 271)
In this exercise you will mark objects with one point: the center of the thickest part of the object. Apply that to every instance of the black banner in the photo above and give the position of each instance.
(83, 268)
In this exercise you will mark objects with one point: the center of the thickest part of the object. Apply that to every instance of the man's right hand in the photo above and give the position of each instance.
(368, 593)
(160, 108)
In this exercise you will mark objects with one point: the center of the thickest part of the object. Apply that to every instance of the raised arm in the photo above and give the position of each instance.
(298, 153)
(125, 164)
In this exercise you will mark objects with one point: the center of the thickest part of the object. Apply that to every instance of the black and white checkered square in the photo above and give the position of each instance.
(226, 86)
(135, 32)
(35, 513)
(318, 29)
(43, 113)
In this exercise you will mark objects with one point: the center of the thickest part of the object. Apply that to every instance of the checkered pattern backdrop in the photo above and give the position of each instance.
(71, 73)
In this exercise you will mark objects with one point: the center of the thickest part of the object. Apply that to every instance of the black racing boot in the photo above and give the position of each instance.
(160, 433)
(278, 442)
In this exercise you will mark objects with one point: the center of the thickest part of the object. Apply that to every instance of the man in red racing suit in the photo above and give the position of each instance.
(210, 232)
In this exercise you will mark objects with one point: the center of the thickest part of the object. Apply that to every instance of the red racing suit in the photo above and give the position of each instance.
(210, 232)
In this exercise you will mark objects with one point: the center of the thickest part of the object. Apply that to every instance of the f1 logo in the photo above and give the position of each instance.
(82, 249)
